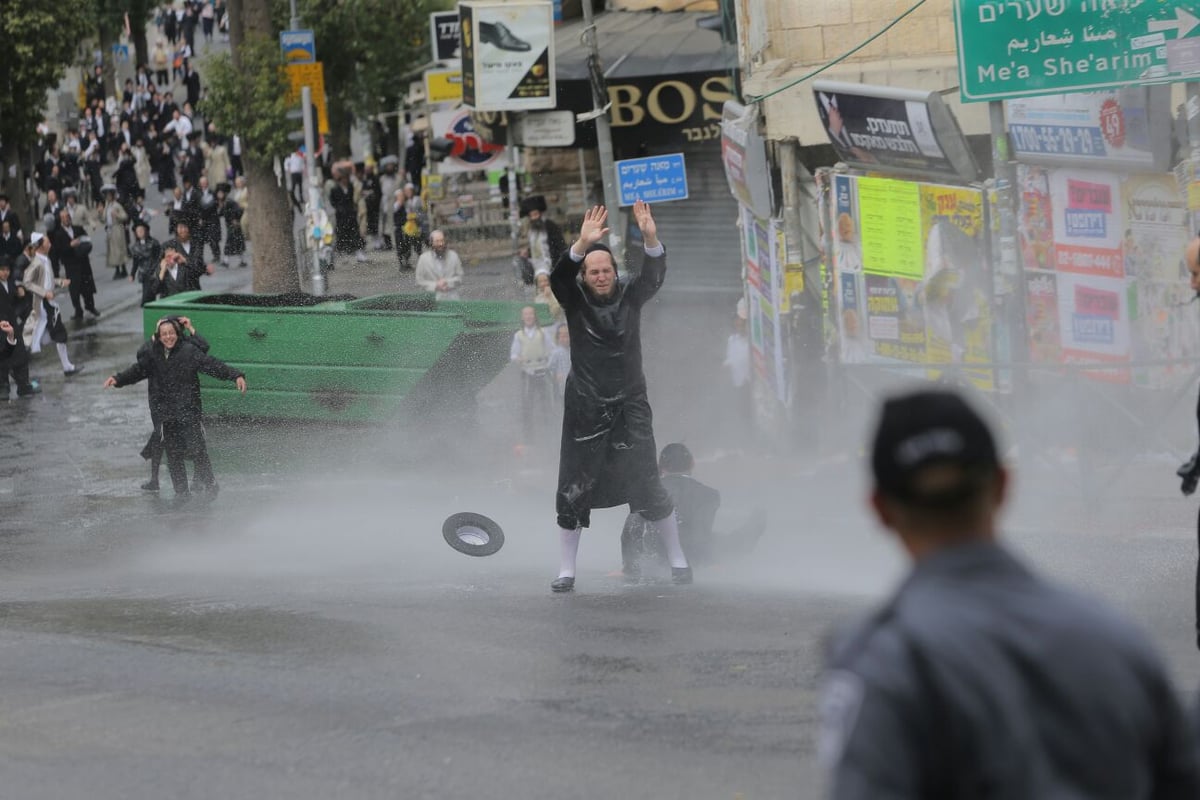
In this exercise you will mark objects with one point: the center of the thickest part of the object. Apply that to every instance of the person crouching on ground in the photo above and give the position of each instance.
(174, 366)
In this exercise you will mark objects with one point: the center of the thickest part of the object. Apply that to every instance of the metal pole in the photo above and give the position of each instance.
(583, 186)
(295, 16)
(314, 194)
(608, 170)
(514, 211)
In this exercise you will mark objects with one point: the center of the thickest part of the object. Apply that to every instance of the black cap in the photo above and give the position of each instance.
(925, 428)
(675, 457)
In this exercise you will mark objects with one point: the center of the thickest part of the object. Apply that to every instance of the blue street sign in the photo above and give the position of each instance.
(654, 179)
(299, 47)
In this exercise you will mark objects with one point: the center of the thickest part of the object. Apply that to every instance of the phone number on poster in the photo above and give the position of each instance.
(1059, 139)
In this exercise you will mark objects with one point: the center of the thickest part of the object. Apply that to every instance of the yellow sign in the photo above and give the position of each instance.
(312, 76)
(443, 86)
(890, 227)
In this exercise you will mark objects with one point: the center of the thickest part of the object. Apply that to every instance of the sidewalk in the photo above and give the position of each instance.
(485, 278)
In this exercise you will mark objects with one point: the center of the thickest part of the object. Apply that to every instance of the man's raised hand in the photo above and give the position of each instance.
(592, 230)
(645, 223)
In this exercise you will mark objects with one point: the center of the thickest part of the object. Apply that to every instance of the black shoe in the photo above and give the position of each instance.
(681, 576)
(71, 373)
(93, 312)
(210, 489)
(497, 34)
(77, 316)
(560, 585)
(181, 498)
(29, 390)
(150, 486)
(116, 275)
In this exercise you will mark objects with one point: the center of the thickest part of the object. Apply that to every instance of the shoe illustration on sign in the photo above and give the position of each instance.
(498, 35)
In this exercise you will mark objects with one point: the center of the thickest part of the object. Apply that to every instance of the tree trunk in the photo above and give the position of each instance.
(272, 248)
(14, 187)
(139, 17)
(340, 120)
(273, 245)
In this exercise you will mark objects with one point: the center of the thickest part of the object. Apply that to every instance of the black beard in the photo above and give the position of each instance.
(537, 224)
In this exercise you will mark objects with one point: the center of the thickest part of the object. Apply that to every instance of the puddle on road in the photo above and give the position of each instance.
(186, 625)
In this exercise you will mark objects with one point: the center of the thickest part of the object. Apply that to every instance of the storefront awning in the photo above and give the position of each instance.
(637, 44)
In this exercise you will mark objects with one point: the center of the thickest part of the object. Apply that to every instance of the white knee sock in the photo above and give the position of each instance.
(668, 531)
(62, 356)
(568, 544)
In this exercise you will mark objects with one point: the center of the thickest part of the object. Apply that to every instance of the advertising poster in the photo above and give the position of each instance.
(868, 130)
(847, 246)
(470, 151)
(854, 346)
(1041, 318)
(1093, 318)
(508, 63)
(957, 281)
(754, 238)
(889, 217)
(1156, 229)
(1087, 222)
(1036, 225)
(1156, 234)
(895, 318)
(1111, 128)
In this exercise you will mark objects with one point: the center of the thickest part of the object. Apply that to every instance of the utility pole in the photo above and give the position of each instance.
(311, 182)
(599, 113)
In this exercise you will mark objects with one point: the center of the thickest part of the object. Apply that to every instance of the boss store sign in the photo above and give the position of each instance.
(656, 110)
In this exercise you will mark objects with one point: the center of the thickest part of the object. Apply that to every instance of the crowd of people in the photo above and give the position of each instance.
(90, 185)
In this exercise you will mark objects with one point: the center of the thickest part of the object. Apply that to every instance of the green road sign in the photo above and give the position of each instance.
(1018, 48)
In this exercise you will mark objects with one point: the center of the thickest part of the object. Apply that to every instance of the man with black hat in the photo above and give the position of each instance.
(183, 272)
(542, 236)
(607, 453)
(14, 360)
(979, 677)
(73, 248)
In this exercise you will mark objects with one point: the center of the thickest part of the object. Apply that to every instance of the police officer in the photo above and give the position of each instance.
(979, 678)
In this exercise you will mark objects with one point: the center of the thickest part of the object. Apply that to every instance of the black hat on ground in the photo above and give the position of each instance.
(926, 428)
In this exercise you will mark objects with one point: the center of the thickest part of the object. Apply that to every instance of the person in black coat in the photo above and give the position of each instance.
(174, 365)
(10, 243)
(176, 273)
(541, 235)
(9, 216)
(68, 242)
(192, 268)
(14, 359)
(607, 453)
(147, 255)
(153, 451)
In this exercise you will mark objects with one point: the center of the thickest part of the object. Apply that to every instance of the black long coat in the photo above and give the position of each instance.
(607, 452)
(175, 380)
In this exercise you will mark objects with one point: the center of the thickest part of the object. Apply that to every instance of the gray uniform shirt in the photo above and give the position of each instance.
(981, 680)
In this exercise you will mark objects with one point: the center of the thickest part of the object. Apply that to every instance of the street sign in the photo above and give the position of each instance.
(299, 47)
(654, 179)
(544, 129)
(443, 85)
(1012, 49)
(312, 76)
(443, 35)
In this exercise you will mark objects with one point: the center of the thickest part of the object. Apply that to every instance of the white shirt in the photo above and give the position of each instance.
(737, 359)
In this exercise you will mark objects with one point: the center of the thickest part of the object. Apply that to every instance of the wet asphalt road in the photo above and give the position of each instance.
(309, 634)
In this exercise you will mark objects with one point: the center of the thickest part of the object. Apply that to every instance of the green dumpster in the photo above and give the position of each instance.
(344, 359)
